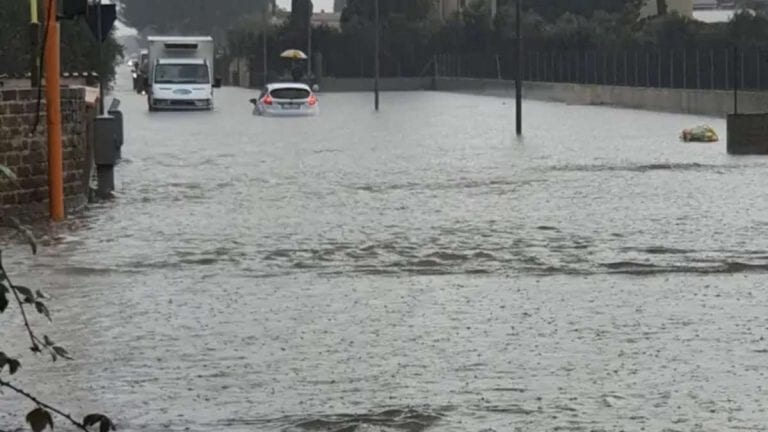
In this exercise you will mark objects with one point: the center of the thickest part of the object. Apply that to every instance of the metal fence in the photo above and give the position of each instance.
(717, 69)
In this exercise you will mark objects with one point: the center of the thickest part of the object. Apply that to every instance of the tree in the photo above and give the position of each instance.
(339, 5)
(79, 48)
(28, 301)
(188, 17)
(553, 9)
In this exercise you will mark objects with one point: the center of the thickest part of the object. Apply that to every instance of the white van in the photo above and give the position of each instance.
(181, 74)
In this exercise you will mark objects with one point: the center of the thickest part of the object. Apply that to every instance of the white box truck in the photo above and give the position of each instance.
(181, 74)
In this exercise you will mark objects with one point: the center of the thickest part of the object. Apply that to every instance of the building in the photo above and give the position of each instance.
(683, 7)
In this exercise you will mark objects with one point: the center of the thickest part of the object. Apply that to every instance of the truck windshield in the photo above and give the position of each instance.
(182, 74)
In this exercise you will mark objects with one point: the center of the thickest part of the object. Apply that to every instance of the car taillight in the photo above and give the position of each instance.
(312, 101)
(267, 100)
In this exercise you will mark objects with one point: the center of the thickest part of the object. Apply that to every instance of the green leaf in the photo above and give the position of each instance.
(92, 419)
(7, 173)
(62, 352)
(41, 295)
(54, 357)
(13, 365)
(106, 425)
(48, 341)
(25, 293)
(43, 309)
(3, 298)
(39, 419)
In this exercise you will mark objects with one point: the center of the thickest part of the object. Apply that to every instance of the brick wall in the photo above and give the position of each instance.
(26, 153)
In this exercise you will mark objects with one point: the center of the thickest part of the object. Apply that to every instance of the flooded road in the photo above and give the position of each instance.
(416, 269)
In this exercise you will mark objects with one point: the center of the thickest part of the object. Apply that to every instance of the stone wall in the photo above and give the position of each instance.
(718, 103)
(26, 153)
(366, 84)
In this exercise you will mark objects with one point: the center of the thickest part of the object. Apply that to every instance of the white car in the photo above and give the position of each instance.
(286, 99)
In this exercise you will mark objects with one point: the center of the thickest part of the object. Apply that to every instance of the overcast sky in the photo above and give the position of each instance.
(319, 4)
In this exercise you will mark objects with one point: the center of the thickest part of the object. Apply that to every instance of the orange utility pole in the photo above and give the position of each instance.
(53, 99)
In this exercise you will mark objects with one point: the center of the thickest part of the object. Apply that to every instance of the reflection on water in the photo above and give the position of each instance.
(412, 270)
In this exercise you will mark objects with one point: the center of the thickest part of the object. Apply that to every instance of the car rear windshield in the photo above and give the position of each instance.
(290, 93)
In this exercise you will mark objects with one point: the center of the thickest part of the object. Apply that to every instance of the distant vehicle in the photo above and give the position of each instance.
(140, 71)
(180, 73)
(286, 99)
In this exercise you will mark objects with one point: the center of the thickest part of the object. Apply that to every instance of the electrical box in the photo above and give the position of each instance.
(106, 134)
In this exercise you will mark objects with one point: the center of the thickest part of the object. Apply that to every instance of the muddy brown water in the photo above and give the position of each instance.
(413, 270)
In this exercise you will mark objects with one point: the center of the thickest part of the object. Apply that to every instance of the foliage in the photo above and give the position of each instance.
(79, 49)
(189, 17)
(412, 33)
(41, 417)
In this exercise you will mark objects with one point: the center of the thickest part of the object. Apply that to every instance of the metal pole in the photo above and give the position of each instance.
(626, 69)
(309, 49)
(735, 80)
(647, 69)
(265, 56)
(101, 58)
(727, 80)
(742, 78)
(672, 69)
(712, 69)
(659, 76)
(698, 69)
(637, 69)
(34, 37)
(685, 69)
(376, 60)
(53, 97)
(519, 76)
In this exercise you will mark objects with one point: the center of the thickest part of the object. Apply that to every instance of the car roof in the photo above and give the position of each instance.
(285, 85)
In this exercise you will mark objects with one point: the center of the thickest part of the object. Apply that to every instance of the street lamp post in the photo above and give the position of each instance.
(519, 74)
(100, 41)
(376, 59)
(264, 59)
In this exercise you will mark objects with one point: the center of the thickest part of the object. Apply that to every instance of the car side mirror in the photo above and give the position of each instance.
(217, 82)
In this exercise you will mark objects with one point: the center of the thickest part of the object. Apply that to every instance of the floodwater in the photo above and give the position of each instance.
(413, 270)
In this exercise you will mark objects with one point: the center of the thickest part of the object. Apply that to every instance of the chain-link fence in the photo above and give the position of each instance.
(718, 69)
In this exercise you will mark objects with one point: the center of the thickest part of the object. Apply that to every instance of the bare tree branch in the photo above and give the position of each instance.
(43, 405)
(35, 340)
